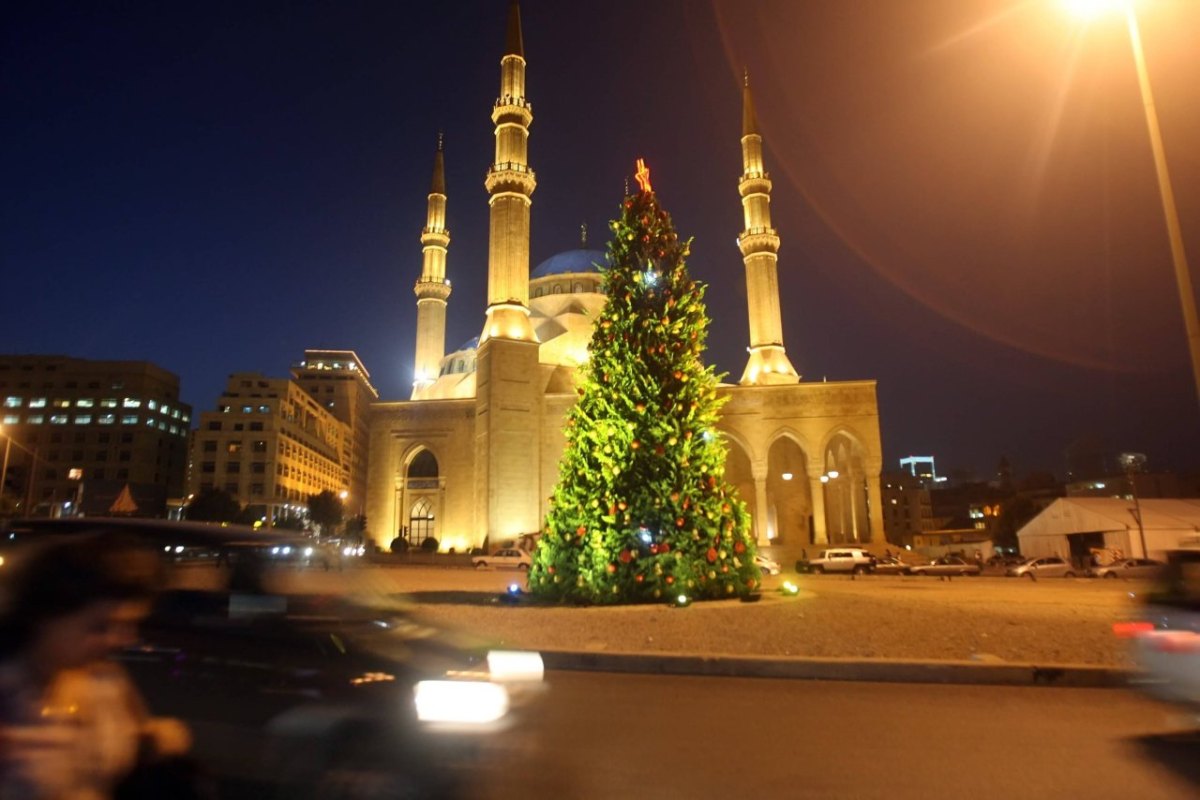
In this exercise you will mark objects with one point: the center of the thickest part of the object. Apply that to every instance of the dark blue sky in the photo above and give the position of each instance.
(964, 190)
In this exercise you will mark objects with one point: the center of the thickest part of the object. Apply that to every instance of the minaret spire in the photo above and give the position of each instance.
(759, 242)
(432, 288)
(510, 183)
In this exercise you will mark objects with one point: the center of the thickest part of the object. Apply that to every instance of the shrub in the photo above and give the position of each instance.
(429, 545)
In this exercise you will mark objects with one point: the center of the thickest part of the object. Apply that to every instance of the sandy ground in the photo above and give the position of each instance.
(1059, 621)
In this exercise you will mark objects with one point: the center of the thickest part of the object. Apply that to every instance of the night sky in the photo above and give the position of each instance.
(964, 191)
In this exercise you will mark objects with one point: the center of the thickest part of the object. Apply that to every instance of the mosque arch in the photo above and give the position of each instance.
(739, 472)
(419, 496)
(789, 494)
(844, 485)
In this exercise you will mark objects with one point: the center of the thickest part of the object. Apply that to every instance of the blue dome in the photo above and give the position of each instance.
(570, 261)
(469, 344)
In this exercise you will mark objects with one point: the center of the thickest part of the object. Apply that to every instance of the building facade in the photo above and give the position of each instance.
(93, 437)
(472, 456)
(271, 445)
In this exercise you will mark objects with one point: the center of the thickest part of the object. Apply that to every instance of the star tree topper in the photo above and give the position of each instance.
(643, 175)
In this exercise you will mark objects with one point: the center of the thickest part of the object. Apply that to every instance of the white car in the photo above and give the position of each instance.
(1128, 568)
(853, 560)
(767, 565)
(1166, 639)
(510, 558)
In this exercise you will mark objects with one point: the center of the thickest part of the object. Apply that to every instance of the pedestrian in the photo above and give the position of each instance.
(72, 725)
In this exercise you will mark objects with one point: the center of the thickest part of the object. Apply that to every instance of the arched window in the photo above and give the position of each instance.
(557, 288)
(420, 522)
(537, 292)
(423, 466)
(577, 288)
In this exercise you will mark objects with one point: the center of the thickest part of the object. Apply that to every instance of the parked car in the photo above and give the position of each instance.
(768, 566)
(1044, 567)
(891, 565)
(946, 565)
(1005, 560)
(1128, 568)
(1166, 640)
(312, 696)
(853, 560)
(509, 557)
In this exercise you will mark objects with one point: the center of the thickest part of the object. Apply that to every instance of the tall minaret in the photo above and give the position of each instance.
(759, 242)
(510, 184)
(432, 288)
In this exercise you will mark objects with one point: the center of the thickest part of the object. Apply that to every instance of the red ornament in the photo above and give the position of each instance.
(580, 531)
(639, 577)
(739, 546)
(679, 522)
(626, 556)
(635, 444)
(674, 497)
(653, 549)
(711, 555)
(725, 508)
(670, 579)
(664, 548)
(612, 568)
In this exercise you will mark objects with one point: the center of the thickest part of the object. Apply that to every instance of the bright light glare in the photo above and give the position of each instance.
(463, 702)
(515, 665)
(1090, 9)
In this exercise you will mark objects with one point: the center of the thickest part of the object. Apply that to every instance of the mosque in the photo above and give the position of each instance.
(471, 458)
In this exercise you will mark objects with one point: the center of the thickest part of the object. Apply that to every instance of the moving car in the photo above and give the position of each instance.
(891, 565)
(850, 560)
(766, 565)
(1166, 639)
(314, 696)
(946, 565)
(1044, 567)
(1128, 568)
(509, 557)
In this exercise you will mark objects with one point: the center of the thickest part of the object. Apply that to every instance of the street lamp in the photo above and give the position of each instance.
(1187, 298)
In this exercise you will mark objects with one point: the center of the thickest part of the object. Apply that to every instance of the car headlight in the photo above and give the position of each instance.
(460, 702)
(515, 665)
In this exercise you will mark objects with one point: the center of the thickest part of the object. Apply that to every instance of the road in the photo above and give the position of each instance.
(610, 736)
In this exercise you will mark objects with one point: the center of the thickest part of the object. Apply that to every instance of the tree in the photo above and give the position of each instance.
(356, 527)
(325, 510)
(642, 510)
(214, 505)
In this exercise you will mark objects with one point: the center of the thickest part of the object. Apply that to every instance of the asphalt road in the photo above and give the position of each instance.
(610, 736)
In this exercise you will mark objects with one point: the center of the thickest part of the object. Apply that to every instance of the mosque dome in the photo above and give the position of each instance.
(570, 261)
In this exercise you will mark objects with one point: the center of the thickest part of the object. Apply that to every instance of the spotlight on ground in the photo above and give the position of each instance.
(682, 601)
(789, 588)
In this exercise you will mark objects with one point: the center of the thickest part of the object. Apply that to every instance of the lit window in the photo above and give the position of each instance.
(152, 405)
(34, 419)
(12, 402)
(109, 402)
(83, 419)
(37, 402)
(129, 419)
(264, 409)
(58, 419)
(174, 429)
(165, 409)
(131, 402)
(175, 413)
(247, 409)
(162, 426)
(107, 419)
(150, 422)
(61, 403)
(186, 418)
(12, 419)
(85, 402)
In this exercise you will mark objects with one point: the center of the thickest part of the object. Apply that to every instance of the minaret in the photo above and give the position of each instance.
(510, 184)
(510, 478)
(759, 242)
(432, 288)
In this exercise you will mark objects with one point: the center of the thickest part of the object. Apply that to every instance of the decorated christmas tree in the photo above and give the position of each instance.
(642, 511)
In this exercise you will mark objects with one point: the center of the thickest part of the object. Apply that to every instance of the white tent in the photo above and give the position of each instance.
(1112, 523)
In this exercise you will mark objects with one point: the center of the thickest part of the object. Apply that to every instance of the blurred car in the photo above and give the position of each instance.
(1166, 638)
(890, 565)
(509, 557)
(853, 560)
(767, 565)
(1128, 568)
(1043, 567)
(946, 565)
(314, 696)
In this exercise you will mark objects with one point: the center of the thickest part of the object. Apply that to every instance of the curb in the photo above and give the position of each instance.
(834, 669)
